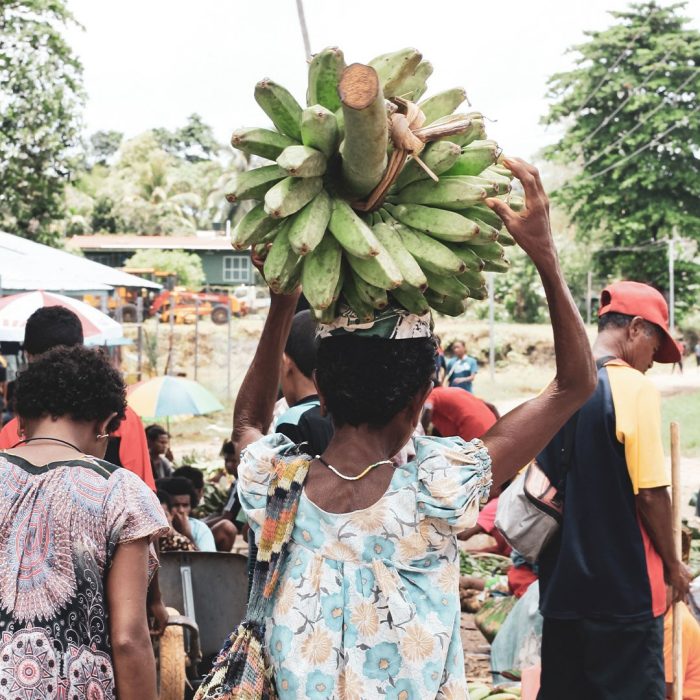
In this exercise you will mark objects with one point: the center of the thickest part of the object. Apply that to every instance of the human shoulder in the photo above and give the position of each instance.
(629, 384)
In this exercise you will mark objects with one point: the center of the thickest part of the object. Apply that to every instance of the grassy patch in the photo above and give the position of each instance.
(685, 409)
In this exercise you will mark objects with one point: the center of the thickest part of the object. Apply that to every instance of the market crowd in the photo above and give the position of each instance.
(399, 460)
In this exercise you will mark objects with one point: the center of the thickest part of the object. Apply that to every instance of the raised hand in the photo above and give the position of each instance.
(530, 227)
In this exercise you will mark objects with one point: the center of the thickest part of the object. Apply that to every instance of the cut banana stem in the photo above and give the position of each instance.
(364, 149)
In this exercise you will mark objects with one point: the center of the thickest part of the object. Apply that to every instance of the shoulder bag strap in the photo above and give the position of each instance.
(276, 532)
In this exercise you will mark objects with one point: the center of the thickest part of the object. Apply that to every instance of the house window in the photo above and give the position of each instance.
(236, 268)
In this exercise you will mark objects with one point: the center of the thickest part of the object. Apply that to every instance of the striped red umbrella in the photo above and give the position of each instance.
(98, 328)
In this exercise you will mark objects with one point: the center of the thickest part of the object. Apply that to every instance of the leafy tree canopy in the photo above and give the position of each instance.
(632, 128)
(187, 266)
(104, 144)
(193, 142)
(40, 105)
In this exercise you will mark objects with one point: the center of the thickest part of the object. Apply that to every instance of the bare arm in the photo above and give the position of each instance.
(654, 507)
(127, 582)
(255, 402)
(517, 437)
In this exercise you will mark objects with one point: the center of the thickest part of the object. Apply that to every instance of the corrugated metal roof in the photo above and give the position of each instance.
(117, 242)
(26, 265)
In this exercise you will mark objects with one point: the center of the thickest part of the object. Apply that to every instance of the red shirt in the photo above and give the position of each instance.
(458, 413)
(133, 447)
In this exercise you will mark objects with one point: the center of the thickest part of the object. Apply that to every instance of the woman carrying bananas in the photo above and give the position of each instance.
(366, 605)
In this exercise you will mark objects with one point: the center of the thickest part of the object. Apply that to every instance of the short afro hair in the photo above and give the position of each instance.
(153, 432)
(177, 486)
(192, 473)
(164, 498)
(51, 327)
(77, 382)
(302, 344)
(370, 380)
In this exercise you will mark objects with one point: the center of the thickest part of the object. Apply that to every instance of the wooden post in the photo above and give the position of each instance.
(676, 504)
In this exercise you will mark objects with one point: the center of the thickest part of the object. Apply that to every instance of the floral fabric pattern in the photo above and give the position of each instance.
(367, 605)
(59, 527)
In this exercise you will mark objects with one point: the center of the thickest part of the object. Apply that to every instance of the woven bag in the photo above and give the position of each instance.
(241, 670)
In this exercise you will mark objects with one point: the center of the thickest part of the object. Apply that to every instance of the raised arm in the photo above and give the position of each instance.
(518, 437)
(255, 402)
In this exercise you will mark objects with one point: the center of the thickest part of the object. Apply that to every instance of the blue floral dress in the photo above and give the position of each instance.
(368, 605)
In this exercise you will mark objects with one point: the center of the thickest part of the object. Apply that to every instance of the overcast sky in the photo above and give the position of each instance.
(152, 63)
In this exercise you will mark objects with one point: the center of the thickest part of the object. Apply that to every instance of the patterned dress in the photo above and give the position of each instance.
(368, 605)
(59, 527)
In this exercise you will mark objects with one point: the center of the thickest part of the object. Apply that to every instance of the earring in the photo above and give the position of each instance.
(102, 437)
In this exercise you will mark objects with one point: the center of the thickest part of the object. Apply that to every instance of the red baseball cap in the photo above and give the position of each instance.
(637, 299)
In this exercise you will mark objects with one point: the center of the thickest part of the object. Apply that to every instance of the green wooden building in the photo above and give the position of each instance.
(223, 266)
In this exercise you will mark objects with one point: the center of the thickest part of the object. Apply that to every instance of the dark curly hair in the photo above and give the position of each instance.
(51, 326)
(370, 380)
(78, 382)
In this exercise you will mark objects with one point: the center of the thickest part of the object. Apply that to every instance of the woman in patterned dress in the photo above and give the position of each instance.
(75, 533)
(367, 604)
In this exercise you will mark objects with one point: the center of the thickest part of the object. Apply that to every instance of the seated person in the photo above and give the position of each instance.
(224, 530)
(183, 498)
(173, 541)
(453, 411)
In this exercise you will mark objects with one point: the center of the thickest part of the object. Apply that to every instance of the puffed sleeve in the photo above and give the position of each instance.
(255, 472)
(132, 512)
(454, 476)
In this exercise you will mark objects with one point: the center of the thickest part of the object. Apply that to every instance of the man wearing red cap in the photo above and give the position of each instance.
(603, 577)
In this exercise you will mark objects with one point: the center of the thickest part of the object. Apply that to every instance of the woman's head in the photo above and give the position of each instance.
(459, 349)
(372, 380)
(74, 385)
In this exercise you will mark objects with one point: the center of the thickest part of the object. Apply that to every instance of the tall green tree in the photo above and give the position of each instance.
(40, 104)
(631, 116)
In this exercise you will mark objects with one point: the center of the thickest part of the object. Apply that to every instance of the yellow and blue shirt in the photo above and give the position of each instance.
(602, 564)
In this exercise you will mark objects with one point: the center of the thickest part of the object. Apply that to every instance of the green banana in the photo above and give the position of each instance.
(409, 268)
(491, 188)
(472, 279)
(504, 238)
(474, 132)
(475, 158)
(252, 228)
(374, 296)
(439, 223)
(413, 87)
(496, 265)
(339, 284)
(393, 68)
(438, 156)
(325, 69)
(430, 253)
(488, 233)
(411, 299)
(488, 251)
(449, 193)
(319, 129)
(442, 104)
(381, 271)
(448, 306)
(253, 184)
(281, 262)
(478, 692)
(365, 312)
(484, 213)
(501, 170)
(261, 142)
(472, 261)
(479, 293)
(500, 182)
(280, 106)
(320, 273)
(325, 315)
(451, 287)
(302, 161)
(309, 225)
(516, 203)
(291, 194)
(351, 231)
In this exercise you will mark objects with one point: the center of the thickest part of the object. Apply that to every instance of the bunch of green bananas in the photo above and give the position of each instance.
(426, 245)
